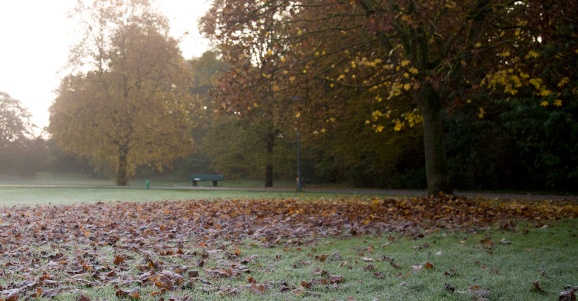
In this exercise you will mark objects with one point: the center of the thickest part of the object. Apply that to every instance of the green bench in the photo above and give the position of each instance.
(215, 178)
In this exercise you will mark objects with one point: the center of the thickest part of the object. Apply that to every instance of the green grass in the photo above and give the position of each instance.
(63, 195)
(516, 265)
(73, 179)
(93, 190)
(49, 178)
(224, 183)
(507, 270)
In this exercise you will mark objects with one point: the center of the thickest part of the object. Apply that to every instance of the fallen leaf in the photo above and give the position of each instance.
(567, 296)
(118, 259)
(284, 289)
(83, 298)
(319, 271)
(537, 286)
(335, 278)
(12, 295)
(321, 257)
(163, 282)
(131, 294)
(379, 275)
(51, 293)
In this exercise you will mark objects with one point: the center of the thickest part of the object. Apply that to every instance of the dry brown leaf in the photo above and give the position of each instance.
(379, 275)
(537, 286)
(335, 278)
(321, 257)
(567, 296)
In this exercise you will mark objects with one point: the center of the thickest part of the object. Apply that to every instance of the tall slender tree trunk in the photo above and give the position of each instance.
(429, 104)
(269, 167)
(269, 175)
(122, 178)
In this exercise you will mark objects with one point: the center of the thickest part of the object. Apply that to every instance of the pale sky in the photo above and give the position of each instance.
(35, 36)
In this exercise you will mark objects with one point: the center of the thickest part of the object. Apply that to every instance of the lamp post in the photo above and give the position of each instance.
(297, 98)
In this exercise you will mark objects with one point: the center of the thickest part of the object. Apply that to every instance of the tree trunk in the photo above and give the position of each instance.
(429, 104)
(269, 175)
(269, 167)
(122, 178)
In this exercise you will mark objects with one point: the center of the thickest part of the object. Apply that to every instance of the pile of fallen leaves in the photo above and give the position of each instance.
(50, 249)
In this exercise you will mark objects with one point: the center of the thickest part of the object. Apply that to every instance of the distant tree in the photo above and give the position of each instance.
(14, 120)
(126, 101)
(246, 148)
(20, 152)
(205, 71)
(265, 113)
(61, 161)
(255, 131)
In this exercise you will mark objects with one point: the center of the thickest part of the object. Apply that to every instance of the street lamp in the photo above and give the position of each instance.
(297, 98)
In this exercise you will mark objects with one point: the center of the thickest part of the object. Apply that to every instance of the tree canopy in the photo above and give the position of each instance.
(126, 102)
(20, 152)
(432, 54)
(14, 120)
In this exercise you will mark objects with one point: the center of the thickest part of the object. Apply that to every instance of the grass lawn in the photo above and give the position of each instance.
(64, 195)
(507, 271)
(72, 179)
(296, 247)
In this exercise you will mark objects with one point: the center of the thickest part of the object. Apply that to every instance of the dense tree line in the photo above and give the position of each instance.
(429, 56)
(518, 144)
(443, 95)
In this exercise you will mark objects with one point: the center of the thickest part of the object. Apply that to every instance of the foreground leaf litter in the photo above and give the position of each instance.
(163, 246)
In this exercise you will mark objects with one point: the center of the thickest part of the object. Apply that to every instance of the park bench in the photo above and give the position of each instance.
(215, 178)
